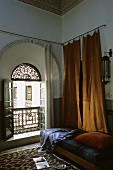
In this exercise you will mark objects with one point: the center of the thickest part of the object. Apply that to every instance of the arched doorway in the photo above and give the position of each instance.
(26, 101)
(23, 51)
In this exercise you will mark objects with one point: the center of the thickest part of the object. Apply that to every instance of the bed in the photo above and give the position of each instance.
(91, 150)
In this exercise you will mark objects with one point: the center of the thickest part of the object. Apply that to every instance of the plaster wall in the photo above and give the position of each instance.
(20, 18)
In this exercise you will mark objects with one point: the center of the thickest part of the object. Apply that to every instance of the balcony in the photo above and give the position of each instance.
(28, 119)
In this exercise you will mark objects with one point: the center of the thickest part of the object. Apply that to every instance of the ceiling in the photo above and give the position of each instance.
(59, 7)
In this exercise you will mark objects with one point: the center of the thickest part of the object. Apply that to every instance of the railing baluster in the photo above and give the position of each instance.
(27, 119)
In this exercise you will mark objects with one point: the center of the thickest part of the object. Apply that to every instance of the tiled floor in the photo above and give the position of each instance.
(24, 135)
(21, 136)
(21, 148)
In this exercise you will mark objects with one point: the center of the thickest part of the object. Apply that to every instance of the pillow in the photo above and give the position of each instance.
(96, 140)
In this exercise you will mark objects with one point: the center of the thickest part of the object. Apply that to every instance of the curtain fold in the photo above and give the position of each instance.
(49, 114)
(94, 118)
(71, 111)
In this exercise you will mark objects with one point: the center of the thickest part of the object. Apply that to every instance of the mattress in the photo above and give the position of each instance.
(89, 154)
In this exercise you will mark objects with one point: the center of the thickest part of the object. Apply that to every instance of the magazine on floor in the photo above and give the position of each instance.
(41, 163)
(39, 159)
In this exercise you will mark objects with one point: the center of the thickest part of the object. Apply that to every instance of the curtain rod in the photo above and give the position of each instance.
(84, 33)
(24, 36)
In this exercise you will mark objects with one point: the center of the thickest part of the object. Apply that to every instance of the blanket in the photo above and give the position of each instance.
(52, 136)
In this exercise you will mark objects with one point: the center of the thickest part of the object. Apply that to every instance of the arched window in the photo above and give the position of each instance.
(26, 72)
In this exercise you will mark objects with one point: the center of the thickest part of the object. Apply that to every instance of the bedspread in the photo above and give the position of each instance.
(54, 135)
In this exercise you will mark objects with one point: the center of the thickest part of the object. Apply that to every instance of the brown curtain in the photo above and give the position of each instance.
(71, 111)
(94, 118)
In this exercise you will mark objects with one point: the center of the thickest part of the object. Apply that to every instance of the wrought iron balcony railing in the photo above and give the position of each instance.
(28, 119)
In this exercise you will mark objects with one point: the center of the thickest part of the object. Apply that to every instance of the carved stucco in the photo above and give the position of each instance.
(59, 7)
(40, 43)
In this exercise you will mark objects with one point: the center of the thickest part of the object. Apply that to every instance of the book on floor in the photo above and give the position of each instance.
(41, 163)
(39, 159)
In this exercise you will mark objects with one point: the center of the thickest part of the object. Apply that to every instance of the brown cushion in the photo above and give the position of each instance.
(95, 139)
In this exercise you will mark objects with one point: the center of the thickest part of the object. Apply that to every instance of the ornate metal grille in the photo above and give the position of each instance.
(26, 72)
(27, 119)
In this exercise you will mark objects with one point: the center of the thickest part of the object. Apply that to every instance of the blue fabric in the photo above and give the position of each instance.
(64, 138)
(50, 137)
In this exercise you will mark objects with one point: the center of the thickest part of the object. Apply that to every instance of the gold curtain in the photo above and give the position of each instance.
(71, 112)
(94, 118)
